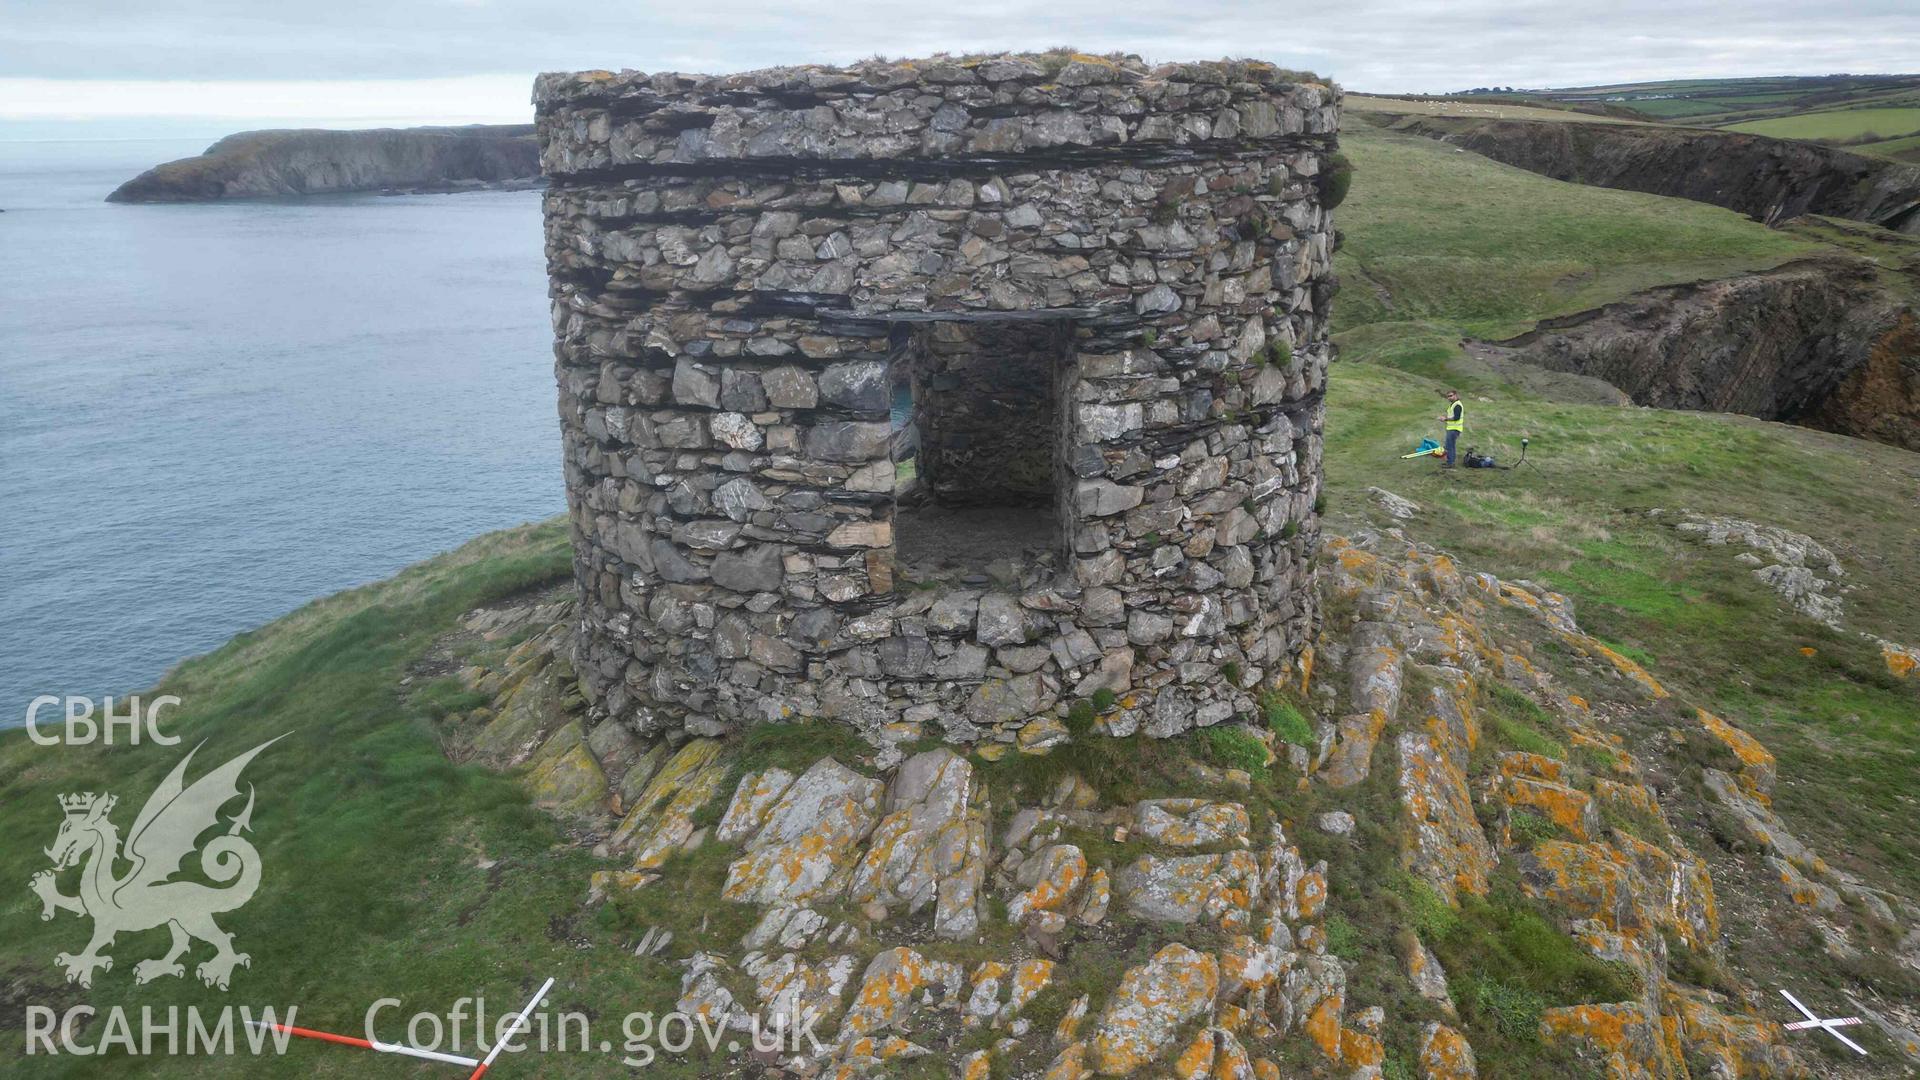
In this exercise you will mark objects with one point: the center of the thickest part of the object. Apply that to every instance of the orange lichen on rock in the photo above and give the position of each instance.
(1445, 844)
(1359, 1050)
(1070, 1064)
(1514, 763)
(1901, 660)
(1629, 1044)
(1568, 808)
(1151, 1003)
(1196, 1061)
(1445, 1054)
(892, 983)
(1624, 665)
(1323, 1027)
(1635, 797)
(1352, 755)
(1052, 878)
(1584, 881)
(1619, 760)
(1742, 1045)
(1757, 766)
(1186, 823)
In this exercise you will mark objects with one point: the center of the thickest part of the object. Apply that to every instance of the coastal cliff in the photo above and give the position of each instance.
(1819, 342)
(256, 164)
(1769, 180)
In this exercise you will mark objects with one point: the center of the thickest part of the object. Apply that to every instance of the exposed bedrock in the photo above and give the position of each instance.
(1815, 342)
(256, 164)
(1767, 179)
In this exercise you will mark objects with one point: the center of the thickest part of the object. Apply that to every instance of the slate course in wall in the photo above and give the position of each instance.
(1105, 288)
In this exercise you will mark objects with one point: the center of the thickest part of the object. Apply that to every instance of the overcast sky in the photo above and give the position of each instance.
(166, 66)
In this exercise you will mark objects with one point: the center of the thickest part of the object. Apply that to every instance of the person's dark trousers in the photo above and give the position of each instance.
(1453, 437)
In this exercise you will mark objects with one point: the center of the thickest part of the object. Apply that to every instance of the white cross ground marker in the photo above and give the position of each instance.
(1830, 1026)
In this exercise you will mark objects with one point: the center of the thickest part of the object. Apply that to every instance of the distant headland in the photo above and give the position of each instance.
(259, 164)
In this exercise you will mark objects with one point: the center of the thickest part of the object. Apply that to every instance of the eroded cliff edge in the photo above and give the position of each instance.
(256, 164)
(1818, 342)
(1770, 180)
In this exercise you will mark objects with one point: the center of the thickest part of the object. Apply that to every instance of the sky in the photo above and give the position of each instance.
(128, 68)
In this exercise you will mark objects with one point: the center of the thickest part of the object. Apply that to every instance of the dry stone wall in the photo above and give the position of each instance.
(736, 263)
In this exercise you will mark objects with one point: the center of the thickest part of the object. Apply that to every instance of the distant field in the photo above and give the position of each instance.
(1907, 149)
(1839, 124)
(1444, 107)
(1717, 102)
(1680, 108)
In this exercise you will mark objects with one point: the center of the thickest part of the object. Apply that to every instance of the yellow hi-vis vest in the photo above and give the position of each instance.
(1457, 417)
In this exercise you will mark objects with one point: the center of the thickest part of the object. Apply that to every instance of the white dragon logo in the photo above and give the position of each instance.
(163, 835)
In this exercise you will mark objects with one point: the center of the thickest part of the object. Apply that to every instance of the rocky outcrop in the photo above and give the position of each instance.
(935, 911)
(1767, 179)
(1817, 342)
(259, 164)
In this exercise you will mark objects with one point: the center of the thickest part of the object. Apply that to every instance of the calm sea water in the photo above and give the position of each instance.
(212, 414)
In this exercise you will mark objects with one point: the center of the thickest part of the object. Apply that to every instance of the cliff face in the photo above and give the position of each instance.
(1769, 180)
(1816, 342)
(253, 164)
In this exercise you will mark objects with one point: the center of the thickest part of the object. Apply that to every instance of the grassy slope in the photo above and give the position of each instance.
(371, 841)
(1440, 244)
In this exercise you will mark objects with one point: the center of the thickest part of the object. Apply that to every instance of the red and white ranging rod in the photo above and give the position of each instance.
(375, 1045)
(478, 1065)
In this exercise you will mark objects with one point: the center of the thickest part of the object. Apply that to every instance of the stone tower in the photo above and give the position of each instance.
(932, 396)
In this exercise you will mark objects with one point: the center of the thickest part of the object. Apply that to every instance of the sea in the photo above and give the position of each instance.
(212, 414)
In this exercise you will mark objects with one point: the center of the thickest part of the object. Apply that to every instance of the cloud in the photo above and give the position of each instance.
(415, 58)
(316, 102)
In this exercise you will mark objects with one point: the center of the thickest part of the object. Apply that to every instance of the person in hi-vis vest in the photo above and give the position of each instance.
(1456, 421)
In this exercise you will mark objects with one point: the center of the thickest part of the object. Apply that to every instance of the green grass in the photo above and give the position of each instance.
(1838, 124)
(1506, 965)
(1710, 629)
(1233, 748)
(1514, 722)
(1902, 149)
(1285, 720)
(1441, 244)
(387, 870)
